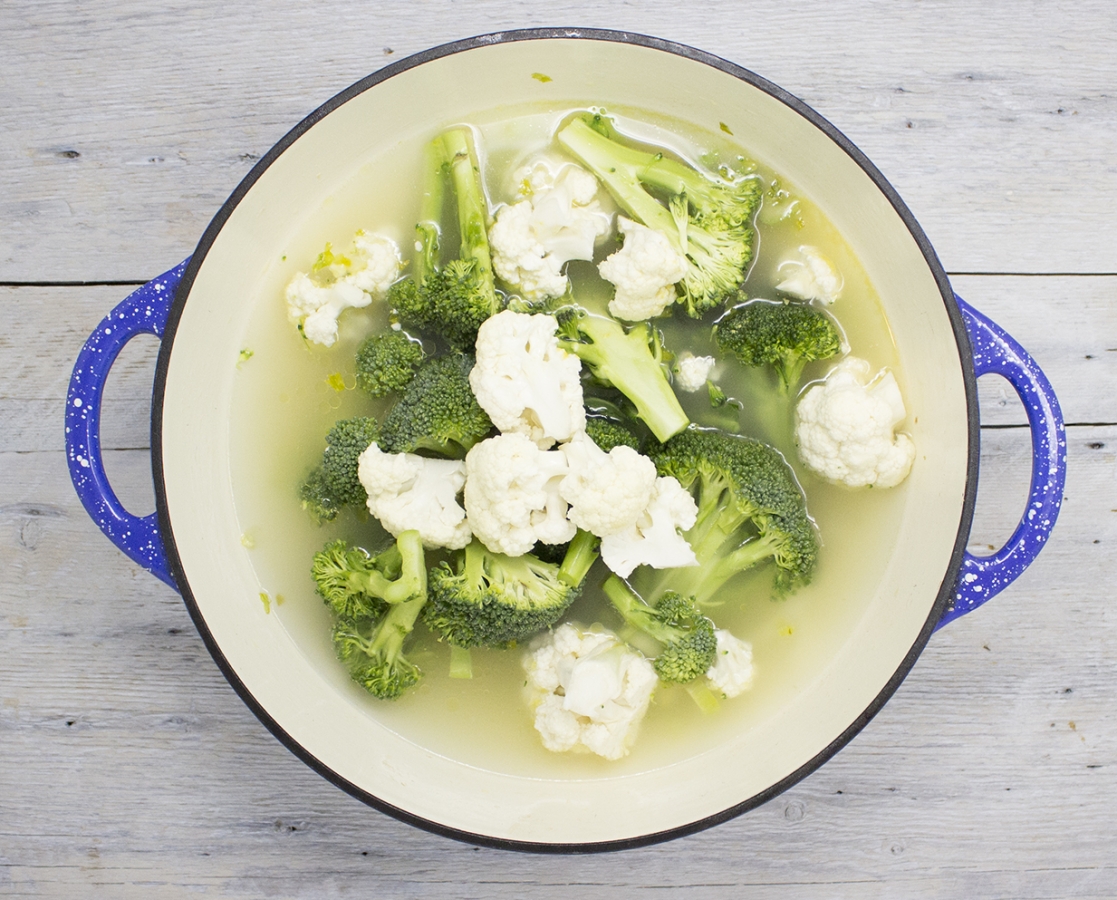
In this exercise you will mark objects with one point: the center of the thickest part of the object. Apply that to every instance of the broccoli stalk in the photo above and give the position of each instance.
(627, 361)
(786, 336)
(334, 483)
(750, 509)
(377, 600)
(453, 300)
(488, 599)
(686, 639)
(437, 412)
(708, 220)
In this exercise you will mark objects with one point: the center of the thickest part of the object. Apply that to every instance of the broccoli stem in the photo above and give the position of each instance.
(621, 169)
(428, 232)
(625, 361)
(461, 662)
(473, 216)
(403, 575)
(635, 612)
(579, 559)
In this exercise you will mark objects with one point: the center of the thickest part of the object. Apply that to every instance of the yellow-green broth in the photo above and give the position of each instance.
(287, 397)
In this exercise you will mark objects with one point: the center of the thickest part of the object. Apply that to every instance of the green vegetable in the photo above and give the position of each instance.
(334, 483)
(750, 509)
(488, 599)
(386, 362)
(707, 219)
(629, 361)
(453, 300)
(437, 411)
(687, 644)
(785, 336)
(377, 600)
(610, 433)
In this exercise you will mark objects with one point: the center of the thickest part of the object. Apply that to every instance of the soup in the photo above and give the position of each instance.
(287, 398)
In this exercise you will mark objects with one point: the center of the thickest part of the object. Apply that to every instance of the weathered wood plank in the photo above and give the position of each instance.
(994, 124)
(128, 768)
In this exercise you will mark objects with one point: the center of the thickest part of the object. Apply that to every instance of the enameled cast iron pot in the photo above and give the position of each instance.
(200, 309)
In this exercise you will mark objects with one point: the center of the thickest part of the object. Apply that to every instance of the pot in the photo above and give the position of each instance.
(201, 308)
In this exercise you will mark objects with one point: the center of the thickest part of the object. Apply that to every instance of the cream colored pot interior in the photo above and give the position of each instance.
(307, 192)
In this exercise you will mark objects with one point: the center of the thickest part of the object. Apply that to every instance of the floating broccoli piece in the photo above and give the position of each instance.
(437, 411)
(386, 362)
(377, 600)
(629, 361)
(686, 637)
(750, 509)
(708, 219)
(488, 599)
(609, 433)
(334, 483)
(453, 300)
(785, 336)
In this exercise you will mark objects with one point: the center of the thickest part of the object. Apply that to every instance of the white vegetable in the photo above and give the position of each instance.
(589, 691)
(692, 372)
(732, 671)
(559, 220)
(809, 276)
(655, 540)
(845, 427)
(607, 492)
(525, 381)
(406, 492)
(350, 282)
(512, 494)
(644, 272)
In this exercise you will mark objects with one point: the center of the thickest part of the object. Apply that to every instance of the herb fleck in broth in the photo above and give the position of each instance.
(287, 397)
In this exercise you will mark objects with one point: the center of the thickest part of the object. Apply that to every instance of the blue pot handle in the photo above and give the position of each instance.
(994, 351)
(142, 312)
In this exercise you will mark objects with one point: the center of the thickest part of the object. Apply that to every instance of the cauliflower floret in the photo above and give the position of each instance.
(809, 277)
(525, 381)
(589, 691)
(336, 284)
(559, 220)
(406, 492)
(692, 372)
(655, 540)
(844, 427)
(644, 272)
(607, 492)
(512, 494)
(731, 674)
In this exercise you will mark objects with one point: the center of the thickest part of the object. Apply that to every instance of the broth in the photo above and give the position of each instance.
(286, 399)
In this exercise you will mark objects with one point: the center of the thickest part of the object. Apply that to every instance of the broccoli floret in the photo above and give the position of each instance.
(686, 637)
(386, 362)
(629, 361)
(488, 599)
(453, 300)
(377, 600)
(437, 411)
(334, 483)
(707, 219)
(750, 508)
(786, 336)
(608, 433)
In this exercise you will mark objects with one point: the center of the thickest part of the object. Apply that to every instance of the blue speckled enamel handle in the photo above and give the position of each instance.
(983, 577)
(143, 312)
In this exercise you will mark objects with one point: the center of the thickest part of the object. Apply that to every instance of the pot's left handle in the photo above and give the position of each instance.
(995, 351)
(142, 312)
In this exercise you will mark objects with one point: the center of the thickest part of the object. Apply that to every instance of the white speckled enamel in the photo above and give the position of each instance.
(323, 720)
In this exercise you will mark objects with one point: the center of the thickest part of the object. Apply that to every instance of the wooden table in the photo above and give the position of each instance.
(129, 768)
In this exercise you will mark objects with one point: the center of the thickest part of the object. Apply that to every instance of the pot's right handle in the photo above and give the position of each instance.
(144, 311)
(995, 352)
